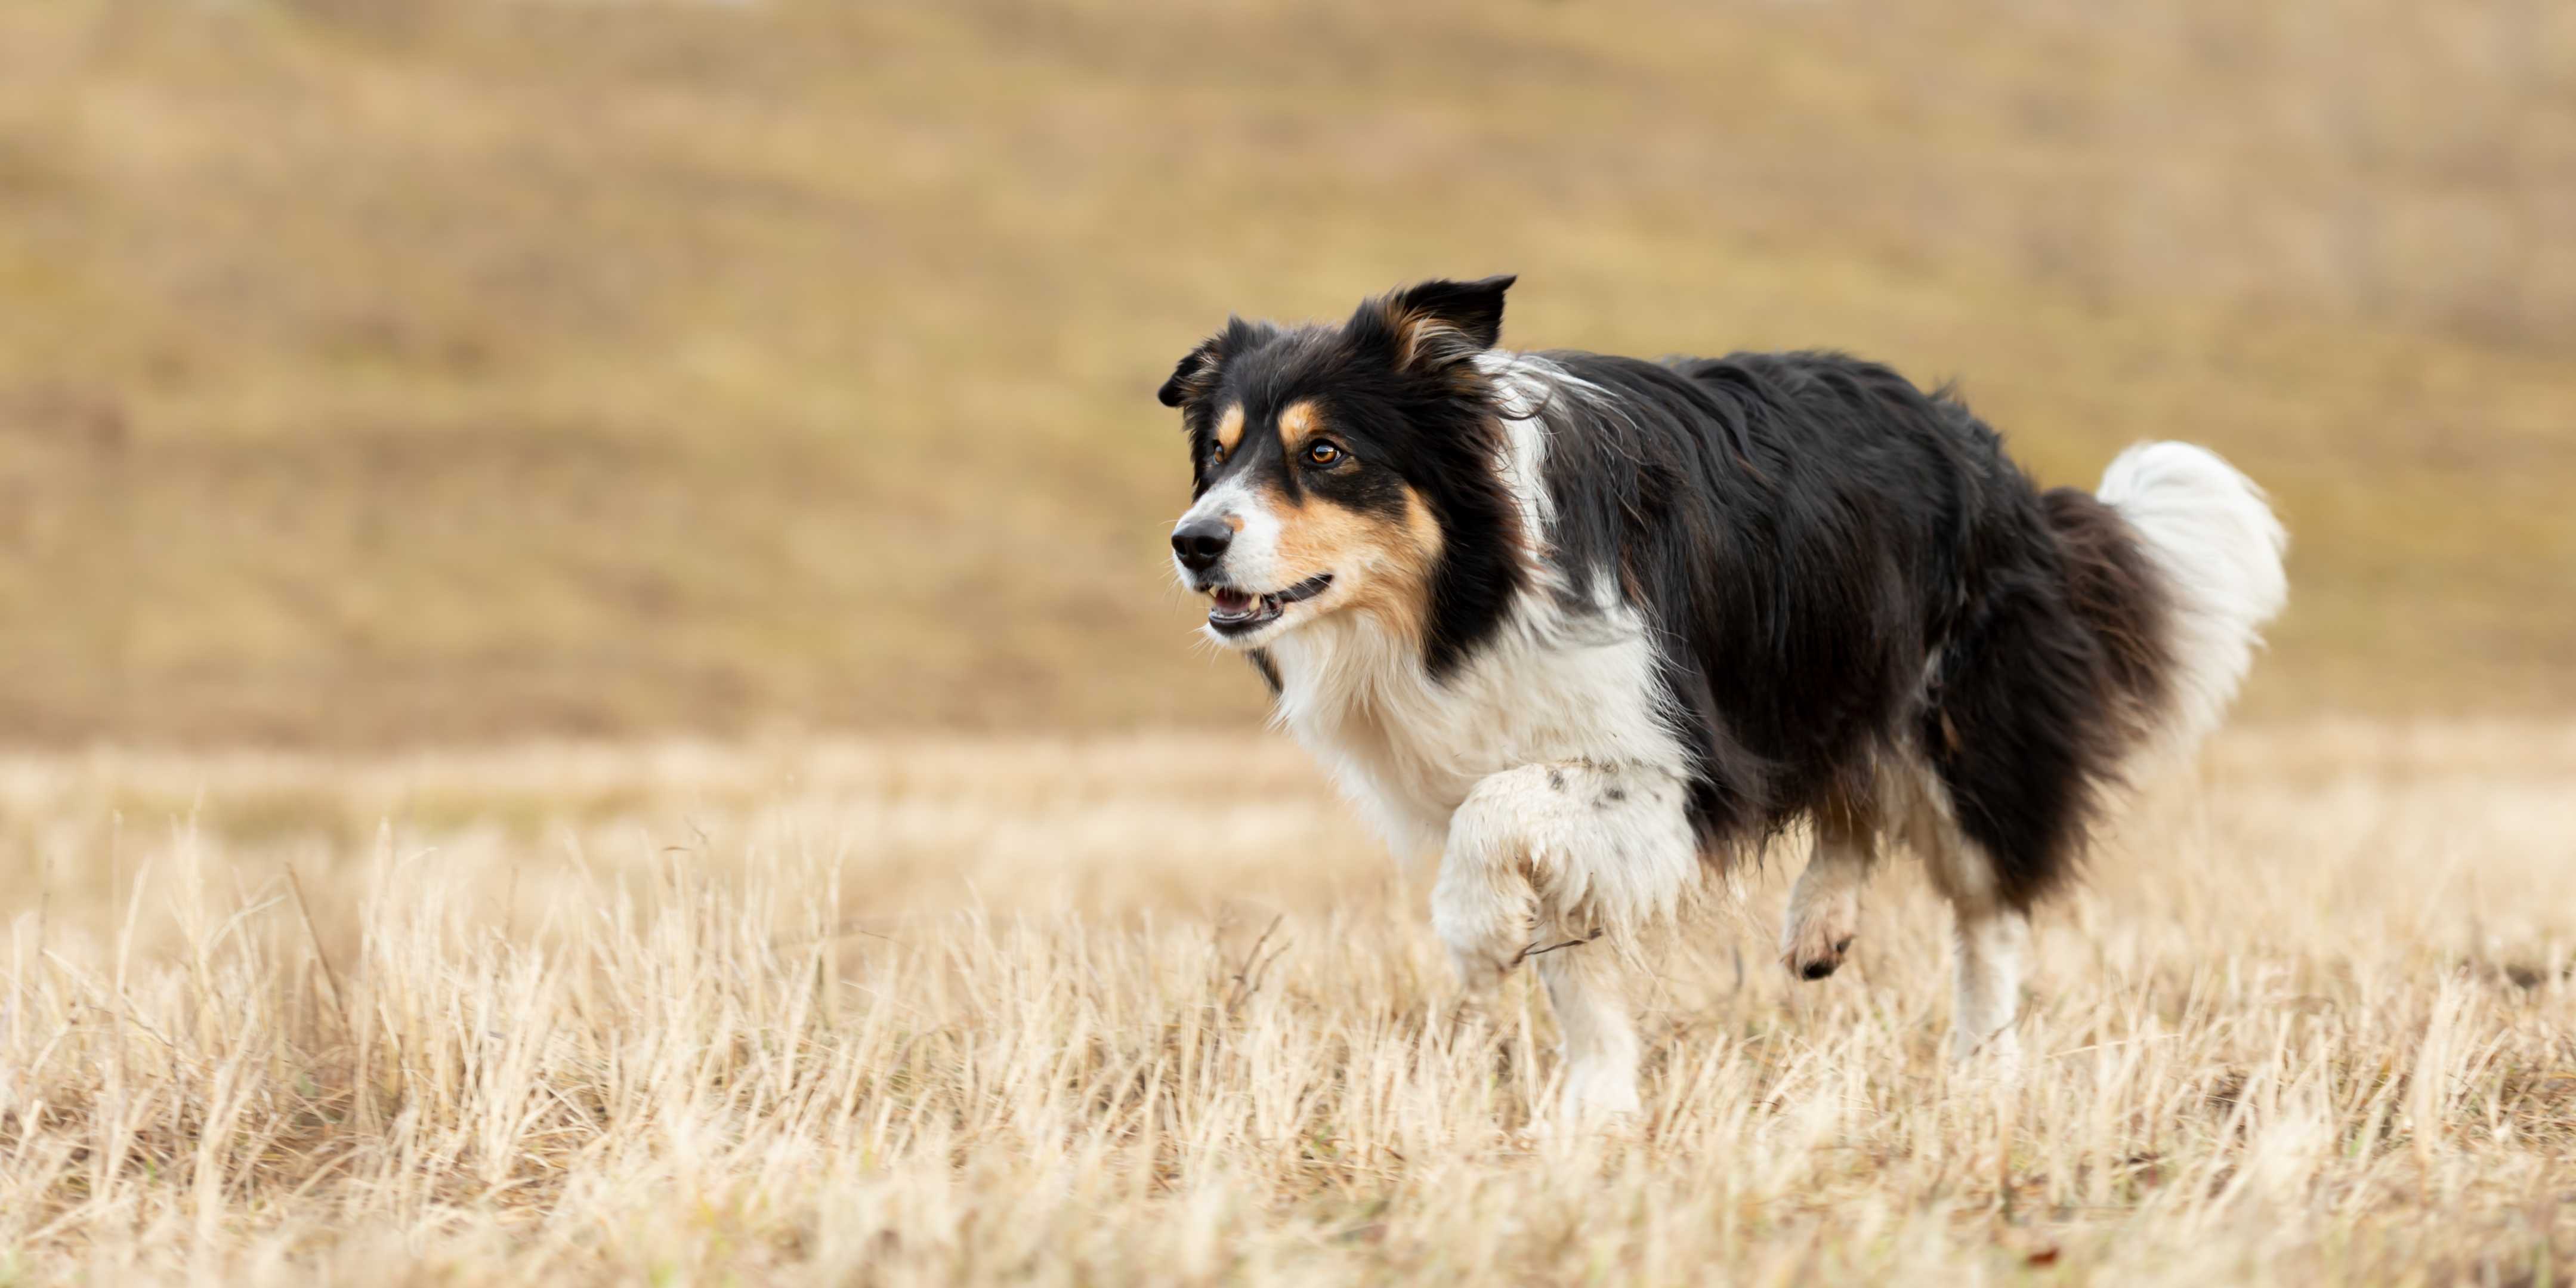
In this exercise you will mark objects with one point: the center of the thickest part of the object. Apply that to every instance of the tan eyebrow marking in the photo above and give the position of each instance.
(1297, 423)
(1229, 427)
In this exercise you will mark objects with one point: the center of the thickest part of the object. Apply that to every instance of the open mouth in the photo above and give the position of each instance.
(1239, 612)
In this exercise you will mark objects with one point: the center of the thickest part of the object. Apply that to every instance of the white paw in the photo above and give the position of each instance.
(1485, 935)
(1479, 972)
(1597, 1093)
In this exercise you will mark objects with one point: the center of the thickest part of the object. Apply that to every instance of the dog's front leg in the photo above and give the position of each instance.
(1485, 903)
(1540, 861)
(1582, 979)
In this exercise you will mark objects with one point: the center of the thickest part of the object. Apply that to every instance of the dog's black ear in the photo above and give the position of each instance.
(1438, 323)
(1194, 377)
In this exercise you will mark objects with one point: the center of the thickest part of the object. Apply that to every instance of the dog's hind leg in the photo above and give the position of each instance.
(1990, 932)
(1990, 943)
(2017, 750)
(1824, 907)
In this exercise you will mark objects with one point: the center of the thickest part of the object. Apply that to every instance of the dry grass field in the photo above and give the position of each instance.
(1151, 1010)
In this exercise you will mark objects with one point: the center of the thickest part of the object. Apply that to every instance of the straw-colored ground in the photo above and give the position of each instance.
(1155, 1011)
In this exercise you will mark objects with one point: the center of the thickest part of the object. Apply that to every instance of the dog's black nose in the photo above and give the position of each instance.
(1201, 542)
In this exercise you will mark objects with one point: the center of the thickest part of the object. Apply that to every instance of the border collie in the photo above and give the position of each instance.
(1591, 624)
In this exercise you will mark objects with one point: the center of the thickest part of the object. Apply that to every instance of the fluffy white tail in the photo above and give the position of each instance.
(2210, 531)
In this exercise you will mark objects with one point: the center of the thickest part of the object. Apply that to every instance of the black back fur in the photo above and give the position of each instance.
(1838, 563)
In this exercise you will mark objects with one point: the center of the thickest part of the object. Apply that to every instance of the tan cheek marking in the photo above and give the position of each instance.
(1423, 531)
(1317, 538)
(1297, 424)
(1399, 554)
(1229, 428)
(1402, 588)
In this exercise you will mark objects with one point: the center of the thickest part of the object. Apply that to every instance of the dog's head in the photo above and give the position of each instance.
(1349, 469)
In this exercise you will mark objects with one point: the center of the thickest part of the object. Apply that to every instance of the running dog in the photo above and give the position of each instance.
(1592, 625)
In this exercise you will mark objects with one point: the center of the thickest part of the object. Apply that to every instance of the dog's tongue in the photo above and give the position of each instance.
(1233, 603)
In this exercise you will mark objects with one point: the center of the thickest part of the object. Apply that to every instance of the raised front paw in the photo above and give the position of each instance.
(1486, 937)
(1482, 952)
(1478, 972)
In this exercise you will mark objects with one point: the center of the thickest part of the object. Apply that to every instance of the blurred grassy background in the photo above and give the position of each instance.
(375, 371)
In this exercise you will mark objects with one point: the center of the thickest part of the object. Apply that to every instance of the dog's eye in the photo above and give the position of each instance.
(1216, 454)
(1323, 454)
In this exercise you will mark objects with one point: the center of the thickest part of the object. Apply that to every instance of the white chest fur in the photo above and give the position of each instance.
(1407, 749)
